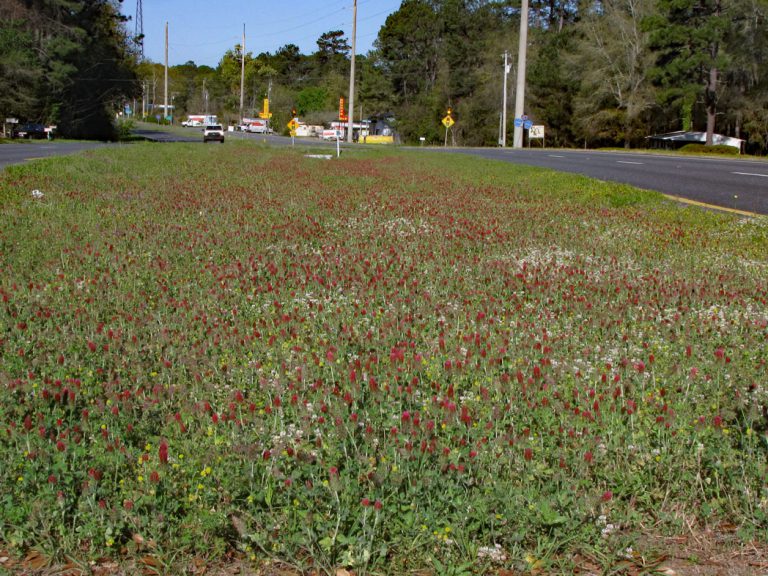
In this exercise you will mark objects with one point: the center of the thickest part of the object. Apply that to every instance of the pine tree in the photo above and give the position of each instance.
(688, 36)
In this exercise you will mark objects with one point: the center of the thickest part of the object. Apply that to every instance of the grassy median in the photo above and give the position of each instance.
(389, 362)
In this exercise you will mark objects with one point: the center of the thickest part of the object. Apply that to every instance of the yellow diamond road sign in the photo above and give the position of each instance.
(293, 124)
(448, 122)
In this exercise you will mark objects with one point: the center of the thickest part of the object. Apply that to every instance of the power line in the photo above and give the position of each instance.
(304, 25)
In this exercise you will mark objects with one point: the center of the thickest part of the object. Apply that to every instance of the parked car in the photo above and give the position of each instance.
(31, 130)
(213, 133)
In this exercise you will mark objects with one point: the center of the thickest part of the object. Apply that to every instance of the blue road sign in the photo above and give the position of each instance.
(527, 125)
(518, 122)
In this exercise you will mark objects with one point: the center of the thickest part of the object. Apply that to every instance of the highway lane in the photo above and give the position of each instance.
(19, 153)
(22, 152)
(158, 135)
(726, 182)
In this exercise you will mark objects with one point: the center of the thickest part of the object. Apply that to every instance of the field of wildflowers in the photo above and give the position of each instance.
(386, 363)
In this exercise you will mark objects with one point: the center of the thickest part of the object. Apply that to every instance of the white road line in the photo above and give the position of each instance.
(750, 174)
(555, 156)
(625, 162)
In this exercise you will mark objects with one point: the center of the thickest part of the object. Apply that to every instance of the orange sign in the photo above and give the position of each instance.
(342, 114)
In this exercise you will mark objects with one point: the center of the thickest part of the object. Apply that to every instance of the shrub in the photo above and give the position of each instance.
(124, 128)
(714, 149)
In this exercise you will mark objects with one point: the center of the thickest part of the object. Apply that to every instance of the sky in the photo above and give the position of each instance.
(203, 30)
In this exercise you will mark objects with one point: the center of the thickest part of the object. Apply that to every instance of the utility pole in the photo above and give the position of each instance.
(504, 102)
(138, 33)
(520, 88)
(352, 75)
(242, 76)
(205, 97)
(165, 101)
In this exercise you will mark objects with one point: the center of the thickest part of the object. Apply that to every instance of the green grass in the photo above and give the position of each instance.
(717, 150)
(387, 362)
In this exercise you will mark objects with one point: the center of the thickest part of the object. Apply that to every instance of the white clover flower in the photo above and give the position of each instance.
(495, 553)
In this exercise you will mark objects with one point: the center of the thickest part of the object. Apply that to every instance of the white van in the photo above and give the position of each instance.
(259, 126)
(196, 120)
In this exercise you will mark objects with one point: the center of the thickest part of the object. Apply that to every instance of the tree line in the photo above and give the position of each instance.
(66, 62)
(600, 72)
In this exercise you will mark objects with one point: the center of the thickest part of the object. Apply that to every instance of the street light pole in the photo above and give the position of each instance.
(520, 88)
(350, 121)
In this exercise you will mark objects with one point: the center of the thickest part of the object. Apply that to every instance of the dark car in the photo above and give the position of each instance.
(31, 130)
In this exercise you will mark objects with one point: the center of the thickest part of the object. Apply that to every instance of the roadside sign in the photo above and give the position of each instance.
(11, 120)
(536, 132)
(527, 124)
(448, 121)
(265, 113)
(518, 122)
(293, 124)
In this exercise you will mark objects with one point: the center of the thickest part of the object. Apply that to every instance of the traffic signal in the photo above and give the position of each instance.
(450, 111)
(293, 112)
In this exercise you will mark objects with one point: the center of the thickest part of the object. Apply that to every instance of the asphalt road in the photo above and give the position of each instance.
(727, 182)
(173, 135)
(178, 134)
(18, 153)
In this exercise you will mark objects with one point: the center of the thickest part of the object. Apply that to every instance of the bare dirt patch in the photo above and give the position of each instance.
(704, 553)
